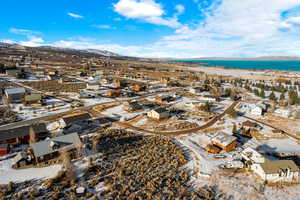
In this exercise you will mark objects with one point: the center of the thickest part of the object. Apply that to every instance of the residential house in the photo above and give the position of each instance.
(277, 171)
(48, 149)
(164, 99)
(33, 98)
(213, 148)
(138, 87)
(131, 106)
(250, 156)
(281, 112)
(224, 141)
(4, 149)
(250, 126)
(195, 104)
(120, 83)
(69, 120)
(20, 135)
(93, 86)
(159, 113)
(106, 81)
(13, 72)
(15, 95)
(210, 98)
(256, 110)
(195, 90)
(113, 93)
(21, 160)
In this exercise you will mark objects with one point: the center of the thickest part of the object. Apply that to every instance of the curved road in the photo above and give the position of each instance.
(181, 132)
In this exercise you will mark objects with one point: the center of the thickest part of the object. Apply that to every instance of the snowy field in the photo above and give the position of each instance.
(8, 174)
(30, 112)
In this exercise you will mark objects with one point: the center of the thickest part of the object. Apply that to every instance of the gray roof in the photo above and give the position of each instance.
(65, 142)
(17, 90)
(274, 167)
(223, 139)
(22, 131)
(76, 118)
(161, 110)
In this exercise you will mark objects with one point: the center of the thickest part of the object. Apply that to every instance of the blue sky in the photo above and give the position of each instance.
(157, 28)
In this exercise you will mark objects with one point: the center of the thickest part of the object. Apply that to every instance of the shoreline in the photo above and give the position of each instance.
(227, 71)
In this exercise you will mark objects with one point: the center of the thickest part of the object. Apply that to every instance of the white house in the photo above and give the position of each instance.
(281, 112)
(93, 86)
(159, 113)
(195, 90)
(277, 171)
(209, 98)
(252, 156)
(195, 104)
(251, 109)
(256, 110)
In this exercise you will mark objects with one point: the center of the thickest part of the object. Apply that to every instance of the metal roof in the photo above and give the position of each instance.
(17, 90)
(76, 118)
(21, 131)
(274, 167)
(66, 142)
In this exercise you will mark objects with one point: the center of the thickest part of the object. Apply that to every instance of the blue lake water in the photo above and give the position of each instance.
(249, 64)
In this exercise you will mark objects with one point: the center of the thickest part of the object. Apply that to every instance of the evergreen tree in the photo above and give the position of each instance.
(272, 97)
(262, 93)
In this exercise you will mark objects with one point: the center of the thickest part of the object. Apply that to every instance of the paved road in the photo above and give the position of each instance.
(182, 132)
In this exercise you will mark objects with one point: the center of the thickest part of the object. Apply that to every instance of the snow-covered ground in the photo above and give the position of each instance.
(31, 112)
(8, 174)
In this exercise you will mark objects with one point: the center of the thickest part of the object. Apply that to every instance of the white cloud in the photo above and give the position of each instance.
(138, 9)
(104, 26)
(147, 10)
(74, 15)
(23, 31)
(180, 9)
(32, 41)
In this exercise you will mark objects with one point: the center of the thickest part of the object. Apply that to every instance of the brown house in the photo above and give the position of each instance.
(113, 93)
(224, 141)
(212, 148)
(138, 87)
(164, 99)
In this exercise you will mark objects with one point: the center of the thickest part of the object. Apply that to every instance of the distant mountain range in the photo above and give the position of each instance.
(276, 58)
(112, 54)
(94, 51)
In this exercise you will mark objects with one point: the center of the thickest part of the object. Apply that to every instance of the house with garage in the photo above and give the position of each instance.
(158, 113)
(277, 171)
(209, 98)
(164, 99)
(15, 95)
(51, 148)
(251, 156)
(281, 112)
(93, 86)
(224, 141)
(250, 127)
(69, 120)
(131, 106)
(195, 90)
(21, 135)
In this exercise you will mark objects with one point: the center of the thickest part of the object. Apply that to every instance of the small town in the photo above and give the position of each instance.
(84, 125)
